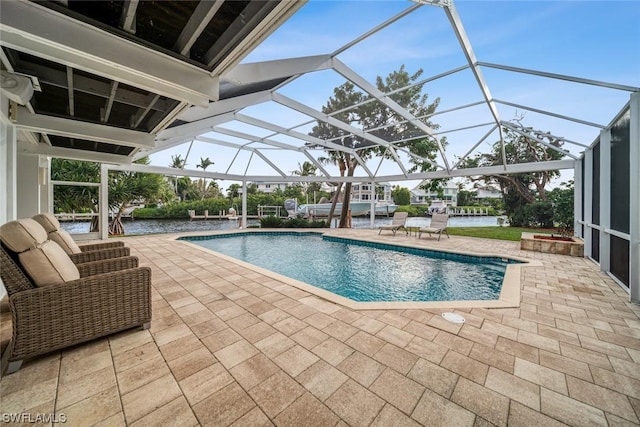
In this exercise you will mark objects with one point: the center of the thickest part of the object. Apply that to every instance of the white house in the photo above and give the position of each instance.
(488, 192)
(270, 187)
(420, 196)
(361, 192)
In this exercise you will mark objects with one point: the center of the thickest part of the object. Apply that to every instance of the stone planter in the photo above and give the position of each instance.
(573, 248)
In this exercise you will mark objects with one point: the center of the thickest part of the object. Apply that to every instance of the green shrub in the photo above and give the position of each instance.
(411, 210)
(270, 222)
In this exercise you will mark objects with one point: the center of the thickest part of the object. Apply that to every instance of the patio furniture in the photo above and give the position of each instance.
(55, 304)
(439, 223)
(399, 221)
(79, 253)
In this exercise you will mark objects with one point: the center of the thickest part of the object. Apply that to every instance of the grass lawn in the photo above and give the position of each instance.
(500, 233)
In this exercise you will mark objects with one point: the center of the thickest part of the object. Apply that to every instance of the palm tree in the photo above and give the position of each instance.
(177, 162)
(205, 162)
(336, 158)
(305, 169)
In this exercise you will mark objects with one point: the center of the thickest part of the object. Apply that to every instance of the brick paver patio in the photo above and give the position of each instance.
(230, 346)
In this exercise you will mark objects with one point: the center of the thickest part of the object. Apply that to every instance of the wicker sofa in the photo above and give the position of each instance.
(102, 298)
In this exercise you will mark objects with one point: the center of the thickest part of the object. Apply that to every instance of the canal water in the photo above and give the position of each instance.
(155, 226)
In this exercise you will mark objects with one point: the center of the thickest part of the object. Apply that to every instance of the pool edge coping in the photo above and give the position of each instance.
(509, 292)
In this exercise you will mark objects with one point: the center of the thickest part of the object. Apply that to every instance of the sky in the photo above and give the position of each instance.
(596, 40)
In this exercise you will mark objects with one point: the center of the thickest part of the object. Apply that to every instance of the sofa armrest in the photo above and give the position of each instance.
(107, 265)
(100, 246)
(54, 317)
(99, 255)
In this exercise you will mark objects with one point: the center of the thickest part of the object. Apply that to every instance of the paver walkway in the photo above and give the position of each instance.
(229, 346)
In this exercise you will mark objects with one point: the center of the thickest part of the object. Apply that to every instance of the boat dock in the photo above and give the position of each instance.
(468, 212)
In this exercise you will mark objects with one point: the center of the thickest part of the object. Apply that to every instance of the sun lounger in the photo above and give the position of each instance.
(439, 223)
(399, 221)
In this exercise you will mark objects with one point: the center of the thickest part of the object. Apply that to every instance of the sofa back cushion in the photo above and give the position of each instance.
(48, 264)
(51, 224)
(43, 260)
(66, 242)
(22, 235)
(48, 221)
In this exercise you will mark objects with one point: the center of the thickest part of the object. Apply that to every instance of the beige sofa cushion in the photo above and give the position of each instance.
(22, 234)
(48, 264)
(63, 238)
(65, 241)
(48, 221)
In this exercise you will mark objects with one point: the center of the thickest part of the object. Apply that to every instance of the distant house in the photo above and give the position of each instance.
(420, 196)
(488, 192)
(270, 187)
(361, 192)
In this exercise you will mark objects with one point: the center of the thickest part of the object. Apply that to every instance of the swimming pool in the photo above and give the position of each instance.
(365, 271)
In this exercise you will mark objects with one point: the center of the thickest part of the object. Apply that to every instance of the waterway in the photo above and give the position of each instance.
(156, 226)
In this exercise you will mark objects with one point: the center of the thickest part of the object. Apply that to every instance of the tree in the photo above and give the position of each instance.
(307, 169)
(177, 162)
(520, 190)
(126, 187)
(233, 191)
(68, 198)
(401, 195)
(205, 162)
(380, 121)
(563, 205)
(466, 197)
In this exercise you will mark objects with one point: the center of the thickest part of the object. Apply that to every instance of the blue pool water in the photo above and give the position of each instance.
(364, 271)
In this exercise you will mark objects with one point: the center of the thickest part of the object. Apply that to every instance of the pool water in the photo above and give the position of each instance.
(364, 271)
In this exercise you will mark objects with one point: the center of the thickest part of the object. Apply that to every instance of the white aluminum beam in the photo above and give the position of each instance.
(34, 29)
(374, 30)
(486, 135)
(253, 138)
(561, 77)
(548, 113)
(107, 108)
(225, 106)
(245, 147)
(634, 201)
(605, 200)
(139, 117)
(423, 159)
(70, 91)
(487, 170)
(316, 163)
(298, 135)
(363, 164)
(70, 153)
(539, 140)
(269, 162)
(82, 130)
(202, 15)
(295, 105)
(467, 49)
(270, 70)
(170, 137)
(128, 17)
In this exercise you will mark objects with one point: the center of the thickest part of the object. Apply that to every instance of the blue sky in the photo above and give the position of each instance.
(597, 40)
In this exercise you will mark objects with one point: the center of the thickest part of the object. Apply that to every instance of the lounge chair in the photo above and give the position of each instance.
(79, 253)
(399, 221)
(55, 303)
(439, 223)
